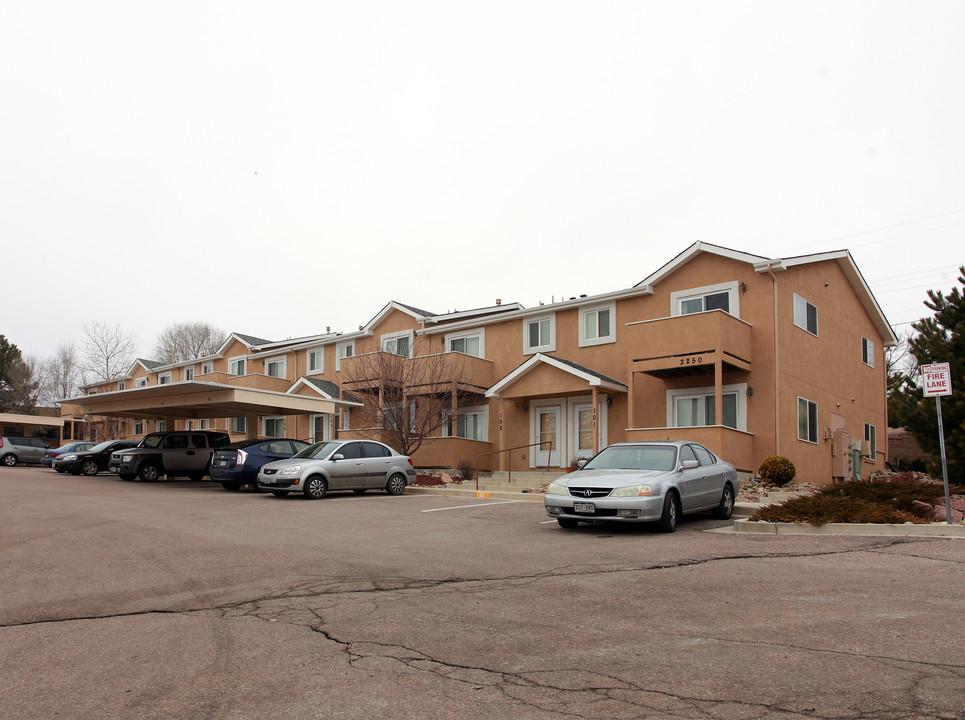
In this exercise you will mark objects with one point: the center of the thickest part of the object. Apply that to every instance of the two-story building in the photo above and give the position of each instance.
(749, 355)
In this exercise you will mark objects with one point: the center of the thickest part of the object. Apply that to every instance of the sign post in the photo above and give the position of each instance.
(936, 381)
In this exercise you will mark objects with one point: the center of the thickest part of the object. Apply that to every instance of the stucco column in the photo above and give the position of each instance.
(631, 396)
(501, 430)
(251, 426)
(596, 420)
(718, 389)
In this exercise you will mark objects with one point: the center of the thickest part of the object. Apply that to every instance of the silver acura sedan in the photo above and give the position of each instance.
(357, 465)
(644, 482)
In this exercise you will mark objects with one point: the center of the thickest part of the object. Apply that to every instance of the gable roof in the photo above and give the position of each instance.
(592, 377)
(328, 390)
(419, 315)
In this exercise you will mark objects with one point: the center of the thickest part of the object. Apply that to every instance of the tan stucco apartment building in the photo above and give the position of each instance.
(749, 355)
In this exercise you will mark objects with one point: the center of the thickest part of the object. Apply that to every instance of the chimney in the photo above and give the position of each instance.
(499, 301)
(328, 328)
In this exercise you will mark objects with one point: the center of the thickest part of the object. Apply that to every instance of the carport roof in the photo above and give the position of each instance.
(196, 399)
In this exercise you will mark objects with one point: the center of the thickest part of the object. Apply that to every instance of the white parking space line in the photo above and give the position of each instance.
(464, 507)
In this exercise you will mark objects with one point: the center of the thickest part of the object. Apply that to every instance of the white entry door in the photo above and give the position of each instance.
(583, 430)
(321, 427)
(547, 432)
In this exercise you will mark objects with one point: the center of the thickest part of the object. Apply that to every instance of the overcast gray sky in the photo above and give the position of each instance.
(276, 168)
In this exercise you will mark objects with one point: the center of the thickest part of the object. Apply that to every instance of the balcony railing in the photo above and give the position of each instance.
(423, 374)
(690, 344)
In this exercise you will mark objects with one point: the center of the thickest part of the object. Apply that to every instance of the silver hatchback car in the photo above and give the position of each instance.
(644, 482)
(357, 465)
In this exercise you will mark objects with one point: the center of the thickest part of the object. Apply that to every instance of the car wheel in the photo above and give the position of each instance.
(395, 485)
(567, 523)
(9, 460)
(89, 467)
(231, 486)
(149, 472)
(315, 487)
(279, 493)
(359, 491)
(725, 509)
(671, 510)
(126, 476)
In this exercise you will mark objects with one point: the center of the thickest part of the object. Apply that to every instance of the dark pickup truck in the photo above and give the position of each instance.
(174, 453)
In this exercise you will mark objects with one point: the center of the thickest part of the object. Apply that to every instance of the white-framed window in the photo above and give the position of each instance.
(867, 352)
(345, 418)
(598, 325)
(472, 424)
(237, 365)
(140, 382)
(239, 425)
(539, 334)
(316, 360)
(164, 378)
(138, 427)
(160, 426)
(342, 351)
(697, 407)
(189, 373)
(204, 424)
(805, 315)
(723, 296)
(807, 420)
(273, 426)
(121, 385)
(871, 437)
(276, 367)
(399, 343)
(189, 424)
(206, 368)
(472, 343)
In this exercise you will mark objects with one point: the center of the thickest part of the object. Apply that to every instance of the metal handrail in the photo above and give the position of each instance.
(518, 447)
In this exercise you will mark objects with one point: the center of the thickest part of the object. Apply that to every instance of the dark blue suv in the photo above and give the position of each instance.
(238, 464)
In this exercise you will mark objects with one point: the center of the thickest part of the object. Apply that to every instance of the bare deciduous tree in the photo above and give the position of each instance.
(406, 400)
(61, 374)
(108, 352)
(187, 341)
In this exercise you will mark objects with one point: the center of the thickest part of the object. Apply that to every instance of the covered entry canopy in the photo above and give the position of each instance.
(194, 399)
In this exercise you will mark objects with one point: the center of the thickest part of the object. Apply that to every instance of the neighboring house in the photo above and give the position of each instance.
(752, 356)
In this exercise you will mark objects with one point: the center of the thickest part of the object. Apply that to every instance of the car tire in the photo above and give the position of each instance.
(315, 487)
(126, 476)
(279, 493)
(149, 472)
(725, 508)
(89, 467)
(9, 460)
(231, 486)
(396, 485)
(567, 523)
(671, 512)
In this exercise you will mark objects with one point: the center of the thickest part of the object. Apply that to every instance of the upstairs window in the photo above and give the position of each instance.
(189, 373)
(342, 351)
(539, 334)
(598, 326)
(276, 367)
(467, 344)
(236, 366)
(398, 344)
(867, 352)
(206, 368)
(723, 296)
(316, 360)
(140, 382)
(805, 315)
(164, 379)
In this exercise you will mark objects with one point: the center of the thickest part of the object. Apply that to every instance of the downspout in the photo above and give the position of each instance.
(777, 365)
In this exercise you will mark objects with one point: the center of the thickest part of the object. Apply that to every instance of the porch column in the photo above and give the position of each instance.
(251, 426)
(501, 407)
(455, 407)
(630, 397)
(718, 389)
(596, 420)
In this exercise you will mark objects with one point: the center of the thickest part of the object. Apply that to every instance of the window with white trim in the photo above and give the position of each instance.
(871, 437)
(867, 352)
(805, 315)
(539, 334)
(468, 343)
(399, 343)
(164, 379)
(239, 424)
(138, 427)
(237, 366)
(697, 407)
(273, 426)
(204, 424)
(316, 361)
(471, 424)
(276, 367)
(206, 368)
(344, 419)
(140, 382)
(723, 296)
(342, 351)
(807, 420)
(160, 426)
(121, 385)
(189, 373)
(598, 325)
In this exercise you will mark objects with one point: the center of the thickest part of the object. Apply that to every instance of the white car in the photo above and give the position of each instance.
(644, 482)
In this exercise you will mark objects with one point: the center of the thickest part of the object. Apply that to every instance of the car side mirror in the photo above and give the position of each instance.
(689, 464)
(580, 462)
(338, 456)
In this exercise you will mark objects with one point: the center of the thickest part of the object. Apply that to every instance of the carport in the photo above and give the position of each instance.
(193, 400)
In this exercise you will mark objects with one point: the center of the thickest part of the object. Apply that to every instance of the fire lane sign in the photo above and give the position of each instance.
(936, 379)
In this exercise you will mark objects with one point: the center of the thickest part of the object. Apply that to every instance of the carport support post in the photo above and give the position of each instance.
(251, 426)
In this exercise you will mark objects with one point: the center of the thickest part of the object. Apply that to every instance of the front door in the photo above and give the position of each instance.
(583, 429)
(547, 433)
(320, 427)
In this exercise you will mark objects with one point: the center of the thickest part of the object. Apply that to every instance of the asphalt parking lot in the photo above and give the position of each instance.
(181, 600)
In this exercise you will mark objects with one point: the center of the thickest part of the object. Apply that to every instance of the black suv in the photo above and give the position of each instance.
(175, 453)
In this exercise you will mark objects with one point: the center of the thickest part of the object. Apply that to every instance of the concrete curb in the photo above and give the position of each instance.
(903, 530)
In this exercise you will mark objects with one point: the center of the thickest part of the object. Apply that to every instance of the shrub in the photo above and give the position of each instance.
(777, 470)
(466, 469)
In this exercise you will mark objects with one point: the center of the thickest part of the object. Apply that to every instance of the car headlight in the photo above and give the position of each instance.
(67, 457)
(126, 458)
(557, 489)
(632, 491)
(290, 470)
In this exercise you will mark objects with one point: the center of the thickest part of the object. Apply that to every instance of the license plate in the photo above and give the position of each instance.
(222, 463)
(584, 507)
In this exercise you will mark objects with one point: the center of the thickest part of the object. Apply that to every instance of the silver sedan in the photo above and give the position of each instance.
(644, 482)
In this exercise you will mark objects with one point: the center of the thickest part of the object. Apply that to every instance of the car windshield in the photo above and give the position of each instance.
(634, 457)
(318, 450)
(102, 447)
(151, 441)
